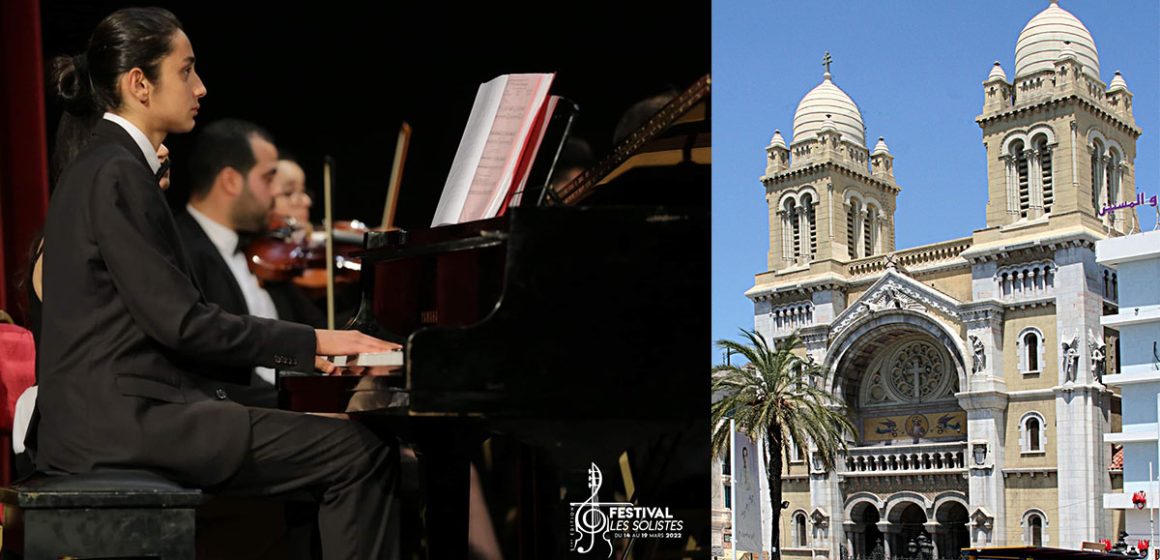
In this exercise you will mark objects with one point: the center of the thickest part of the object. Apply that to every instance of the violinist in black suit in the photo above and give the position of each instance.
(128, 339)
(232, 189)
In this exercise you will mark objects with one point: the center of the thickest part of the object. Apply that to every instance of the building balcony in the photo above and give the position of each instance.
(1130, 248)
(1131, 375)
(1123, 500)
(1139, 433)
(1132, 316)
(923, 458)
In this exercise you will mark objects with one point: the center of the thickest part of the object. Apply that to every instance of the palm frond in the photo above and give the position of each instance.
(776, 394)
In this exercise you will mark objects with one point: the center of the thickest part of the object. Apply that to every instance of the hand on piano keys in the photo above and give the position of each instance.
(369, 363)
(345, 344)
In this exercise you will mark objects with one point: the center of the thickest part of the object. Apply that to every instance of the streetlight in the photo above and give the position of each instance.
(729, 352)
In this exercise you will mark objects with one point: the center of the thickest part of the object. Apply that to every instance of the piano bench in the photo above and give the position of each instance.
(107, 514)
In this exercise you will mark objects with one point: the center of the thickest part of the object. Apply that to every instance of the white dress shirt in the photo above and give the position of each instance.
(258, 300)
(139, 138)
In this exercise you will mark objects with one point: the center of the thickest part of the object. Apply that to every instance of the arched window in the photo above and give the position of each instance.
(870, 231)
(853, 217)
(1034, 525)
(810, 228)
(799, 529)
(1097, 175)
(1113, 178)
(791, 229)
(1022, 178)
(1045, 181)
(1030, 345)
(1032, 437)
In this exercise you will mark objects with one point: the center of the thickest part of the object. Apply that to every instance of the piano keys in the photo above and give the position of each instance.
(391, 358)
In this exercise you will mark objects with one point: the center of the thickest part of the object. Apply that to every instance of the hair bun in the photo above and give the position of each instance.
(70, 81)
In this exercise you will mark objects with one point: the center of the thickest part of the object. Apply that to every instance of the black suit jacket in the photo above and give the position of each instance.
(217, 283)
(127, 336)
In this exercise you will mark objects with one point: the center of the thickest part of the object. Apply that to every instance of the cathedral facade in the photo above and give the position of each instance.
(971, 367)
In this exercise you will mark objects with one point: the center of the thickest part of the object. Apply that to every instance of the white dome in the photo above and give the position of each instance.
(880, 147)
(1047, 34)
(777, 141)
(997, 73)
(828, 99)
(1117, 84)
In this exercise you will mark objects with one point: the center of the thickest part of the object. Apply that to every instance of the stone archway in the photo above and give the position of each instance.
(898, 372)
(907, 530)
(950, 528)
(863, 534)
(869, 332)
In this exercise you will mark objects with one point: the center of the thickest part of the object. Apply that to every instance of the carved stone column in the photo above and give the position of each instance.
(984, 322)
(787, 235)
(1012, 186)
(986, 404)
(1099, 181)
(781, 222)
(859, 223)
(803, 236)
(889, 531)
(986, 441)
(1082, 405)
(937, 533)
(1034, 184)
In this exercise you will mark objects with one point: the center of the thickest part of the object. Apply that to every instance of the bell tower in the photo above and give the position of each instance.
(829, 196)
(1060, 142)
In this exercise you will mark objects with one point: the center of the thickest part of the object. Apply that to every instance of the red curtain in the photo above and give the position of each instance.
(23, 156)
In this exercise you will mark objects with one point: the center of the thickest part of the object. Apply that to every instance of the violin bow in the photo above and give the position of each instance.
(328, 225)
(396, 177)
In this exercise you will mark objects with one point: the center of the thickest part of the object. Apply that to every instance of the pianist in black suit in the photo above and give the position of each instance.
(127, 337)
(232, 189)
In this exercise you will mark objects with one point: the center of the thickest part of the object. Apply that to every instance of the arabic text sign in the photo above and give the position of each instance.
(1140, 200)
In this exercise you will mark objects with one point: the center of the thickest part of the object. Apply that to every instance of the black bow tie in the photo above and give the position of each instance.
(161, 171)
(244, 240)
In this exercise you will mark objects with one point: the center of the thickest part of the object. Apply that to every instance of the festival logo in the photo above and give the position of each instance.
(596, 524)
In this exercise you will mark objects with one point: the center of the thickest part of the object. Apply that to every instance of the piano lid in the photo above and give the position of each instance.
(677, 134)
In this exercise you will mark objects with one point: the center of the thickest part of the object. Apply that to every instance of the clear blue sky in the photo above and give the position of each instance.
(915, 69)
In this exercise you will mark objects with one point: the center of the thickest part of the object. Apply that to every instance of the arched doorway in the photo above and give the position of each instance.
(866, 538)
(898, 372)
(951, 534)
(908, 526)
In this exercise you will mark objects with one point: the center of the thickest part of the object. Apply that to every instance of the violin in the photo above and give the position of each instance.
(293, 251)
(347, 241)
(282, 253)
(320, 261)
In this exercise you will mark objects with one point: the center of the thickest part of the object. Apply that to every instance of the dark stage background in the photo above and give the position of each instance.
(338, 78)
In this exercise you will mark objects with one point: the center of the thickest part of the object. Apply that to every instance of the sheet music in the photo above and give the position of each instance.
(497, 132)
(536, 138)
(467, 157)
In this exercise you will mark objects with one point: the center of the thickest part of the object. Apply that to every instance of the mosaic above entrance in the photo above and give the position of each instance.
(915, 427)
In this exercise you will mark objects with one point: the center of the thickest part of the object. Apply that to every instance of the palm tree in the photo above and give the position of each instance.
(777, 398)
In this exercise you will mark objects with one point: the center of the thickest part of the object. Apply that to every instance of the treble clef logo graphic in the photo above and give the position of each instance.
(589, 519)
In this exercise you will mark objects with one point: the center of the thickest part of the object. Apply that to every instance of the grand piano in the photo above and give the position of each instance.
(549, 342)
